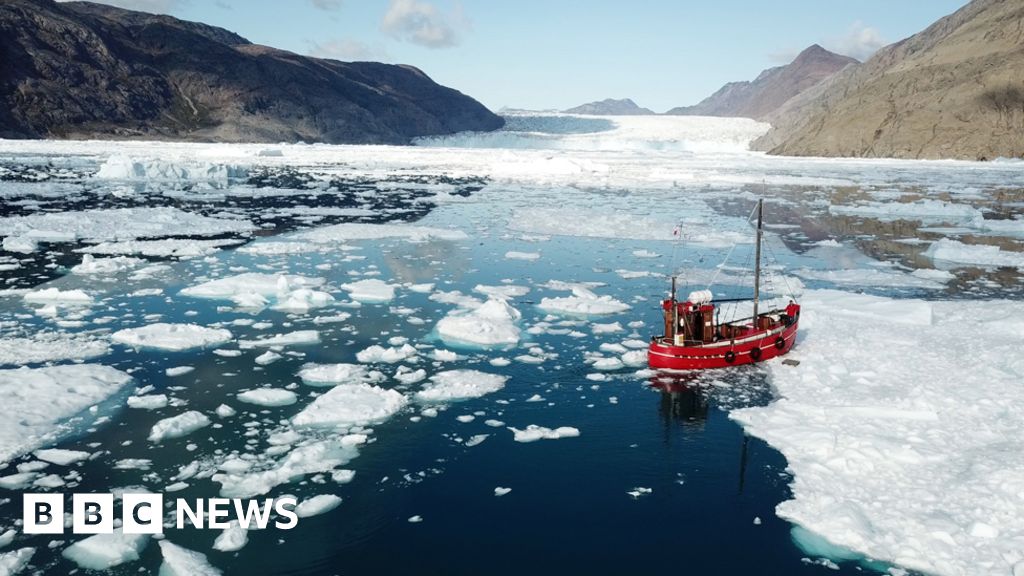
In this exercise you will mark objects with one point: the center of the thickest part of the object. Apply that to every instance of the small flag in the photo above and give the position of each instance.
(675, 231)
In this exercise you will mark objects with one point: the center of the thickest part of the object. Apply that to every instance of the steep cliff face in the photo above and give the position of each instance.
(772, 88)
(79, 69)
(954, 90)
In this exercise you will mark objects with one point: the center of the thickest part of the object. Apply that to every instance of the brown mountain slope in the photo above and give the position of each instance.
(71, 70)
(772, 88)
(954, 90)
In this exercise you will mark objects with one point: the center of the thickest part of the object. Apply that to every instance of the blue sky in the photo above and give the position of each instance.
(556, 54)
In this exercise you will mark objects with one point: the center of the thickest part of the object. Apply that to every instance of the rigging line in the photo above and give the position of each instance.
(785, 277)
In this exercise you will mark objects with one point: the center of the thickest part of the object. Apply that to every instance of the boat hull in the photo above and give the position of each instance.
(724, 354)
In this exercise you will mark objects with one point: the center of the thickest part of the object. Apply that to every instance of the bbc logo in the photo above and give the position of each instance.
(93, 513)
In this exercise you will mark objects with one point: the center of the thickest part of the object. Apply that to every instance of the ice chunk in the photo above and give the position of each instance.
(93, 265)
(500, 491)
(513, 255)
(178, 371)
(232, 539)
(243, 289)
(39, 401)
(268, 397)
(268, 357)
(148, 402)
(532, 433)
(979, 254)
(175, 337)
(454, 385)
(104, 551)
(583, 302)
(378, 353)
(332, 374)
(120, 167)
(171, 248)
(48, 295)
(50, 347)
(370, 290)
(14, 562)
(178, 426)
(61, 457)
(492, 324)
(118, 224)
(317, 505)
(309, 458)
(350, 405)
(180, 561)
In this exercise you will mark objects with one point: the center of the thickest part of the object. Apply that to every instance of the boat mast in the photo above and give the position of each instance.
(757, 256)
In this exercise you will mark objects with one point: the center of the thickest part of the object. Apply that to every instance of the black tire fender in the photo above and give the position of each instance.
(780, 343)
(755, 354)
(730, 356)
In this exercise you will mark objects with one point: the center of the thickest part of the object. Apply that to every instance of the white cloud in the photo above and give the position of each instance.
(151, 6)
(422, 23)
(860, 41)
(348, 50)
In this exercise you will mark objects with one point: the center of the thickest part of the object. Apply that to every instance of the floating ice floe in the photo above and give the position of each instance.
(92, 265)
(895, 453)
(104, 551)
(16, 561)
(51, 295)
(312, 457)
(270, 397)
(349, 405)
(334, 374)
(175, 337)
(454, 385)
(491, 324)
(108, 225)
(121, 167)
(377, 353)
(148, 402)
(370, 290)
(255, 290)
(171, 248)
(318, 504)
(51, 347)
(513, 255)
(232, 538)
(340, 233)
(947, 250)
(875, 277)
(583, 302)
(39, 402)
(178, 426)
(924, 210)
(60, 456)
(501, 491)
(532, 433)
(507, 291)
(180, 561)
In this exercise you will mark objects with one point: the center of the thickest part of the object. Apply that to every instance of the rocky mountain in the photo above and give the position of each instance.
(954, 90)
(84, 70)
(772, 88)
(610, 107)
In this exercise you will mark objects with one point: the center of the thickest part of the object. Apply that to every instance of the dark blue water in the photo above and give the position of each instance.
(713, 490)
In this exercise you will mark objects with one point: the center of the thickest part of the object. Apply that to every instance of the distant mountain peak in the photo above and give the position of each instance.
(610, 107)
(772, 88)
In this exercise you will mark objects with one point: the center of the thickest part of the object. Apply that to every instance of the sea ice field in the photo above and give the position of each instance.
(440, 352)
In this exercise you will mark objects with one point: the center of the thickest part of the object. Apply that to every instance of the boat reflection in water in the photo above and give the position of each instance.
(686, 400)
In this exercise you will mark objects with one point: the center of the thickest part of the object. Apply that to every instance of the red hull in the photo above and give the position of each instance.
(723, 354)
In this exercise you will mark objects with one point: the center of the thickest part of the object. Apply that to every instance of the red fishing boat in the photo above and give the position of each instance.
(694, 339)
